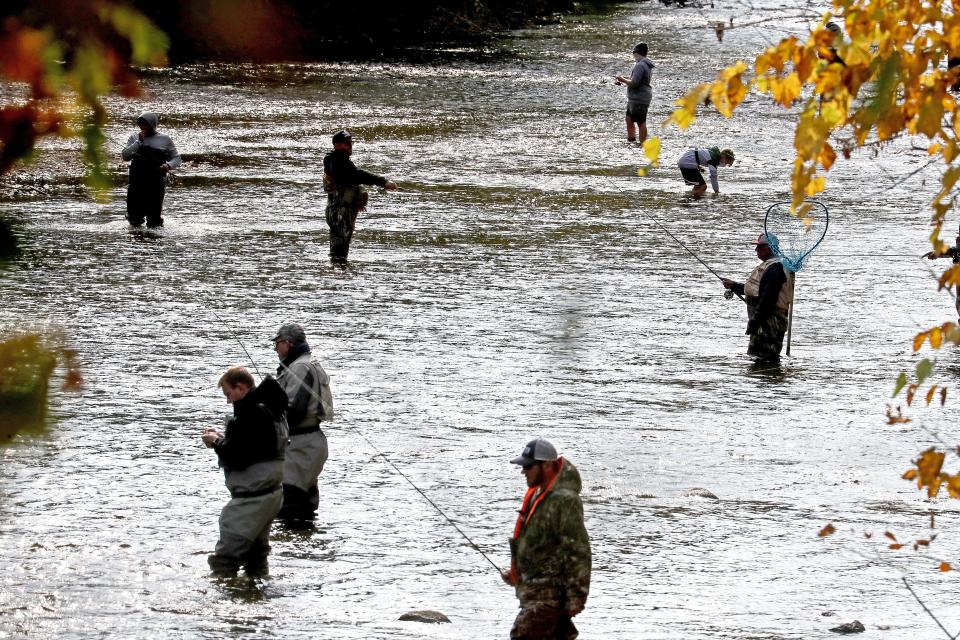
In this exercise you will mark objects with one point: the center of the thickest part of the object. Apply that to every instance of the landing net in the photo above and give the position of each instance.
(793, 237)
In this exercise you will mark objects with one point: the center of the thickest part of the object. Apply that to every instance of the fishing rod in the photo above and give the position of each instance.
(302, 384)
(677, 240)
(230, 330)
(357, 431)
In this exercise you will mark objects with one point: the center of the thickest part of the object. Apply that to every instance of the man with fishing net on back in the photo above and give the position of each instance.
(550, 549)
(769, 294)
(346, 197)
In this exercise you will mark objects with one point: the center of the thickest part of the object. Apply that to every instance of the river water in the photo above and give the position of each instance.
(515, 286)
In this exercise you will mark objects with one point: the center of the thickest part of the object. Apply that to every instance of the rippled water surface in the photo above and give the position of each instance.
(514, 287)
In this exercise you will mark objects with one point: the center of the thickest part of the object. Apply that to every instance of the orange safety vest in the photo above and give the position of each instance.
(526, 512)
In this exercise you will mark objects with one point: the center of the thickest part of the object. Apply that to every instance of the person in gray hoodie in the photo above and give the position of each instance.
(152, 155)
(309, 402)
(251, 452)
(639, 93)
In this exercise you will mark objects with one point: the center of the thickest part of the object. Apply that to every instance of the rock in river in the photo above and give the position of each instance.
(424, 615)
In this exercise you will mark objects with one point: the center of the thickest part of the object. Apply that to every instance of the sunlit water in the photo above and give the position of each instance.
(514, 287)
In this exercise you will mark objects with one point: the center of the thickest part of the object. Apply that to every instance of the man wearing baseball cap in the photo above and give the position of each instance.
(550, 556)
(769, 294)
(309, 403)
(346, 197)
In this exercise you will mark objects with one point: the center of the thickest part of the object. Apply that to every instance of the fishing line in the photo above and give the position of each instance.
(302, 384)
(229, 329)
(677, 240)
(357, 431)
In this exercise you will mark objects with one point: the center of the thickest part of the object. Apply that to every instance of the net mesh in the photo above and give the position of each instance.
(793, 237)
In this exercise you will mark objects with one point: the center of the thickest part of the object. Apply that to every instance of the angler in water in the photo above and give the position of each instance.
(346, 197)
(692, 162)
(639, 93)
(550, 549)
(769, 294)
(251, 453)
(152, 155)
(309, 402)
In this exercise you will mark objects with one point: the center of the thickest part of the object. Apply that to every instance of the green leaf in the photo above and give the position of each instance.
(901, 383)
(924, 369)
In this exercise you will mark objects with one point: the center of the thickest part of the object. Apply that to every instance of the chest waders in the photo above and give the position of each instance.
(344, 203)
(146, 189)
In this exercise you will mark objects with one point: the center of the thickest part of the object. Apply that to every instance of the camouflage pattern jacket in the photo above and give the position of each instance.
(550, 549)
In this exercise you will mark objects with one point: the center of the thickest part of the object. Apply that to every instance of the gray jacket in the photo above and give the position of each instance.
(159, 144)
(639, 89)
(308, 389)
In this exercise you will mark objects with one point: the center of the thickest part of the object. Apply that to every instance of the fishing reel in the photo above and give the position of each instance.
(728, 294)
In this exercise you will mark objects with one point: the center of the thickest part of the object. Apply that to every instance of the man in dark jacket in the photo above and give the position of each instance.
(152, 155)
(769, 294)
(310, 402)
(346, 197)
(550, 549)
(251, 454)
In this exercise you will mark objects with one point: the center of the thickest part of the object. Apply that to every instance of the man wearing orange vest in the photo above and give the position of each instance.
(550, 549)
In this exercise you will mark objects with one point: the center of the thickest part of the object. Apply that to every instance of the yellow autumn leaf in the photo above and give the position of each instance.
(929, 464)
(934, 149)
(919, 339)
(910, 474)
(816, 185)
(930, 393)
(827, 156)
(651, 149)
(936, 337)
(953, 486)
(686, 111)
(929, 117)
(784, 90)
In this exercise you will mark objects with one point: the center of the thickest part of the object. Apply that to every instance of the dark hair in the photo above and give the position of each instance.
(236, 375)
(641, 48)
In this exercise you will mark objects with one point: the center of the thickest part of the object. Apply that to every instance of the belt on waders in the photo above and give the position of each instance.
(254, 494)
(303, 430)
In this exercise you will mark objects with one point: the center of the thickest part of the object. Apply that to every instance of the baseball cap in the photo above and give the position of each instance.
(292, 332)
(641, 48)
(762, 239)
(538, 450)
(342, 136)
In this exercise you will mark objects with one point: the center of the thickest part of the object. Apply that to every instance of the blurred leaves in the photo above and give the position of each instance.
(27, 362)
(69, 54)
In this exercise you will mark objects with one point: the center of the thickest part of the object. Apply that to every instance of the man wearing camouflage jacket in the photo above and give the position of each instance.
(550, 549)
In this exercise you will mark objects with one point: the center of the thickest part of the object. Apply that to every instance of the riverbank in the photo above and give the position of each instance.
(263, 30)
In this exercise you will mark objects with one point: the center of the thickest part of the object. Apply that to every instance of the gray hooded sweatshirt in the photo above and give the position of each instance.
(160, 145)
(638, 89)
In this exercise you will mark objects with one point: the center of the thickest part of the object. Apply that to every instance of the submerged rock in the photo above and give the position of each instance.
(698, 492)
(424, 615)
(850, 627)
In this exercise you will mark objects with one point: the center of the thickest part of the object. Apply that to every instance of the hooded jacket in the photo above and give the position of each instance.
(550, 549)
(154, 150)
(639, 89)
(251, 451)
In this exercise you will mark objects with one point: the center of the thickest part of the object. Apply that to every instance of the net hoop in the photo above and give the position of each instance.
(789, 237)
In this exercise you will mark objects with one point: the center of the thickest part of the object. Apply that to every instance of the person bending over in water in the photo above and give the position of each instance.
(694, 159)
